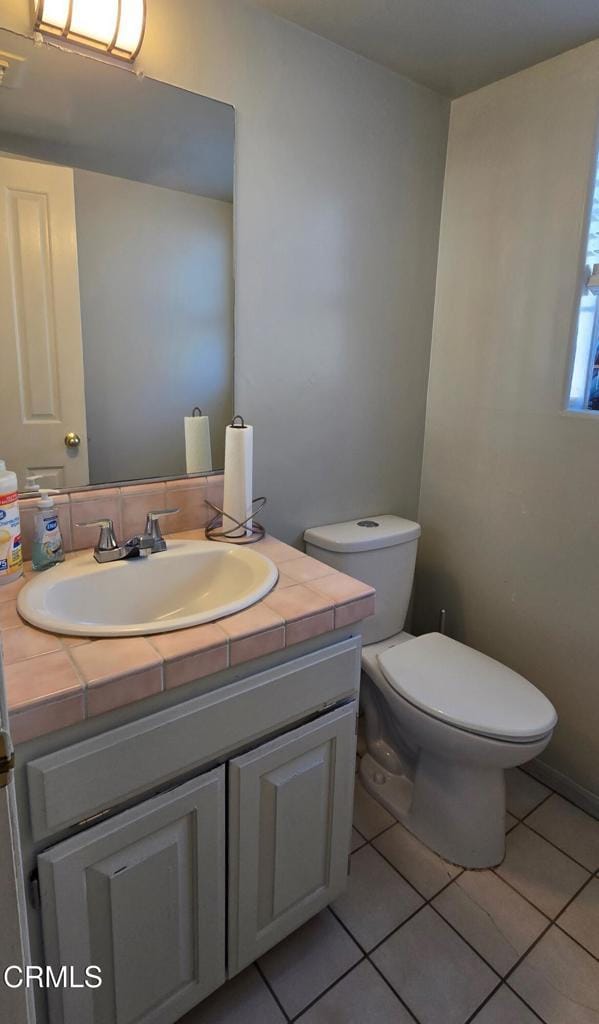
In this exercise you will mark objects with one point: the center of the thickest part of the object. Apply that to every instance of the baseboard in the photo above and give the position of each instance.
(580, 796)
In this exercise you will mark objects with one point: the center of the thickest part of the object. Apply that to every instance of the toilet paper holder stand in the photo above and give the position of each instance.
(216, 531)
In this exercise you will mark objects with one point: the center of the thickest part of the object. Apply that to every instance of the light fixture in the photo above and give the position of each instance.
(113, 26)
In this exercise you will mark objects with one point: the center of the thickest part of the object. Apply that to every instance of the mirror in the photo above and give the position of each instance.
(116, 271)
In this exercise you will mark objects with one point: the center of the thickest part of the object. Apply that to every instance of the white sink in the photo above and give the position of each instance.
(193, 581)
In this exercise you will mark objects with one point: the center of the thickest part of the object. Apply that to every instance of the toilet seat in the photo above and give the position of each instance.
(466, 689)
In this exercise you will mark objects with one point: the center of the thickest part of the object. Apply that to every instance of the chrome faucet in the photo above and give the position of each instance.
(148, 543)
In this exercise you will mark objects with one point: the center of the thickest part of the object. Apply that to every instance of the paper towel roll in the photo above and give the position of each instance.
(239, 445)
(198, 456)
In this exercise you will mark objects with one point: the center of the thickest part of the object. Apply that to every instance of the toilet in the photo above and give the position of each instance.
(443, 721)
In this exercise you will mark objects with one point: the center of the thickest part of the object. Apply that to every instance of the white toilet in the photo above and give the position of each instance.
(443, 722)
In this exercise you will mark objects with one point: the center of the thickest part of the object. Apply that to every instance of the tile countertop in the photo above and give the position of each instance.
(56, 681)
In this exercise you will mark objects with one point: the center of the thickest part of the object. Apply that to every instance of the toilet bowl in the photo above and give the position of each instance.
(443, 721)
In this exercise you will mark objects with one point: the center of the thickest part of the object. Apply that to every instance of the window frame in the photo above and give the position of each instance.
(571, 407)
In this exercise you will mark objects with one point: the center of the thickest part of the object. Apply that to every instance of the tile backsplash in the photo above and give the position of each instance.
(127, 506)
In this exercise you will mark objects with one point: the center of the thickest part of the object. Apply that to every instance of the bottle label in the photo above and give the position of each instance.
(11, 553)
(49, 539)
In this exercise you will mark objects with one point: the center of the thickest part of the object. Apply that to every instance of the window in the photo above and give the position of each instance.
(584, 385)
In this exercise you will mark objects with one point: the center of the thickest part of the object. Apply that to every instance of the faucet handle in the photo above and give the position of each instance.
(153, 517)
(153, 527)
(107, 540)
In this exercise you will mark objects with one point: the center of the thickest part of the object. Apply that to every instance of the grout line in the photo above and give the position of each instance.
(550, 925)
(486, 1000)
(551, 922)
(326, 990)
(466, 941)
(556, 847)
(559, 927)
(533, 809)
(367, 955)
(428, 902)
(556, 792)
(395, 993)
(427, 899)
(271, 990)
(523, 1000)
(518, 893)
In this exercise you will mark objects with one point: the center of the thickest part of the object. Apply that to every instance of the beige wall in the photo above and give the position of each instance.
(339, 182)
(510, 489)
(156, 282)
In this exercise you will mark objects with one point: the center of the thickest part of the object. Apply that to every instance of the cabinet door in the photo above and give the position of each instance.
(143, 897)
(290, 812)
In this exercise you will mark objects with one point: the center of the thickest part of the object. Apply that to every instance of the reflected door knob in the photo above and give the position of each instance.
(72, 440)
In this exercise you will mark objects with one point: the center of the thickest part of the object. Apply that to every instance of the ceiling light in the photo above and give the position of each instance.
(113, 26)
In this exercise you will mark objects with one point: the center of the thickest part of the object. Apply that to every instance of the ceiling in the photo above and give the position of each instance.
(453, 46)
(75, 110)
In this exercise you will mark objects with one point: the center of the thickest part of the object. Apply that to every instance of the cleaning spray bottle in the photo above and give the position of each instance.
(11, 554)
(47, 549)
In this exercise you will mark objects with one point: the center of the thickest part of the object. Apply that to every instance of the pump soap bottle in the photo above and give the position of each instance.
(47, 549)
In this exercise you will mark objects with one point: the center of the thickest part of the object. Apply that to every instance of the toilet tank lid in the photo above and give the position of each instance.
(364, 534)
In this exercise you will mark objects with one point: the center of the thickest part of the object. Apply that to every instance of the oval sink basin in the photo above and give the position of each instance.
(189, 583)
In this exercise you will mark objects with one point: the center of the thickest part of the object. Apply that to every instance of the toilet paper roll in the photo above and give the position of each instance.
(237, 500)
(198, 455)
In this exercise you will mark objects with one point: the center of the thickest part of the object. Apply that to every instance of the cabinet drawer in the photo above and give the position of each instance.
(290, 814)
(142, 896)
(115, 767)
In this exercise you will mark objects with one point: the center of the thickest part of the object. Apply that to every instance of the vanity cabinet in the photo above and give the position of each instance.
(290, 813)
(142, 896)
(184, 889)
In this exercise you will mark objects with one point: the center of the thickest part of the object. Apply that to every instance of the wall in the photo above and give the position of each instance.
(510, 489)
(339, 178)
(156, 281)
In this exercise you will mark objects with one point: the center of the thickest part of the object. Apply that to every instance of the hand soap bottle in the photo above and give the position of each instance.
(47, 549)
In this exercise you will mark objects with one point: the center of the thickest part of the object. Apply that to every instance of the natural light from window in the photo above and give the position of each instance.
(584, 384)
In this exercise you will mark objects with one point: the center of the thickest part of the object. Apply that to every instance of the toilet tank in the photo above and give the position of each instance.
(381, 551)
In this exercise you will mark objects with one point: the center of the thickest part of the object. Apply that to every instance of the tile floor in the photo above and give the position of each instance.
(415, 939)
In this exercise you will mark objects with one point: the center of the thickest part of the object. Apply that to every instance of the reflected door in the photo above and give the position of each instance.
(42, 403)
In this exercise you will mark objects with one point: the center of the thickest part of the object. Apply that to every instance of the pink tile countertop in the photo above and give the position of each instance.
(56, 681)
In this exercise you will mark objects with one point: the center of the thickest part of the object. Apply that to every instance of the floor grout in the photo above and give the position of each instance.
(502, 979)
(551, 921)
(329, 987)
(271, 990)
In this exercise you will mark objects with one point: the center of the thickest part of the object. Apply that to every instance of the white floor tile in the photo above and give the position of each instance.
(302, 966)
(246, 998)
(560, 981)
(438, 976)
(425, 870)
(510, 821)
(377, 899)
(536, 869)
(505, 1008)
(581, 918)
(523, 793)
(569, 828)
(370, 817)
(362, 997)
(493, 918)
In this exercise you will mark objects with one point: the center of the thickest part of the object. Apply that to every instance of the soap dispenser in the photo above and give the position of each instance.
(47, 549)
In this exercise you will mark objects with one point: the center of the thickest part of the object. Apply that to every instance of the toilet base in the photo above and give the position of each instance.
(458, 810)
